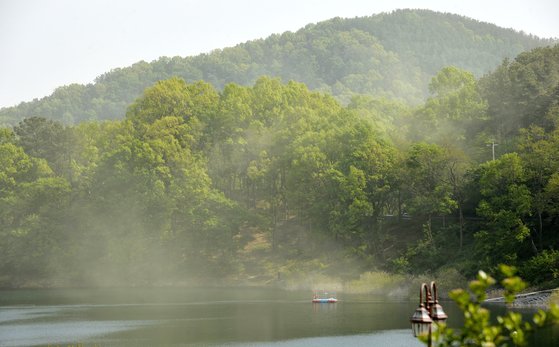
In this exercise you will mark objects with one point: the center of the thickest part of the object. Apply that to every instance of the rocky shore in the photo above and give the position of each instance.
(540, 299)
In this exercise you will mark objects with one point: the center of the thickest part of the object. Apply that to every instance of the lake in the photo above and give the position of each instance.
(208, 317)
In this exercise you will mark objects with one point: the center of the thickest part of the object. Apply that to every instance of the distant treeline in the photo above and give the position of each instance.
(391, 55)
(197, 182)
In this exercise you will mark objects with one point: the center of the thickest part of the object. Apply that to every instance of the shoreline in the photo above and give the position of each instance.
(539, 299)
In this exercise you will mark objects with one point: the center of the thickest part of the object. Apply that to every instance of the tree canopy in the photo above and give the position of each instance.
(197, 183)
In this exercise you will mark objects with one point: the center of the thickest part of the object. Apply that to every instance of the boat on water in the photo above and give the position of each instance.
(324, 298)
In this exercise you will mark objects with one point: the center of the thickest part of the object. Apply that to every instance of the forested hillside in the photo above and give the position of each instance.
(390, 55)
(248, 181)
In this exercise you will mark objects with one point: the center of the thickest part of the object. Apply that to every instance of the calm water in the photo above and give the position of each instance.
(206, 317)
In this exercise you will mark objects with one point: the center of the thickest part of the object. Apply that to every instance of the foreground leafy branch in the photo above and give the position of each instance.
(478, 330)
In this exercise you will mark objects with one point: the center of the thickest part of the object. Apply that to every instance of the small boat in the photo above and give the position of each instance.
(324, 298)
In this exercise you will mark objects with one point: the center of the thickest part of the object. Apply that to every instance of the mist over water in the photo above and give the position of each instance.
(207, 317)
(196, 317)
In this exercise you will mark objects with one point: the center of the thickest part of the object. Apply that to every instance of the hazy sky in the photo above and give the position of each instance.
(49, 43)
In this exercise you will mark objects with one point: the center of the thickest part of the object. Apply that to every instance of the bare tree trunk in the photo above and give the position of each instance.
(534, 248)
(429, 233)
(461, 222)
(274, 207)
(399, 206)
(540, 234)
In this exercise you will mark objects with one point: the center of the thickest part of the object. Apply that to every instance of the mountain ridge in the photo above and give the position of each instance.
(391, 55)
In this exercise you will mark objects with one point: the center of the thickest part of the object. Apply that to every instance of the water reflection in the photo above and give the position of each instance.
(324, 307)
(393, 338)
(205, 317)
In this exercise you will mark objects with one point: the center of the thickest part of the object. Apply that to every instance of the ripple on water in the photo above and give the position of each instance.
(392, 338)
(15, 335)
(15, 314)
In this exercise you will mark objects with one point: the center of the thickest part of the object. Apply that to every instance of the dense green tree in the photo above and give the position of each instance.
(523, 92)
(6, 136)
(506, 204)
(538, 151)
(430, 193)
(455, 111)
(387, 116)
(32, 204)
(49, 140)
